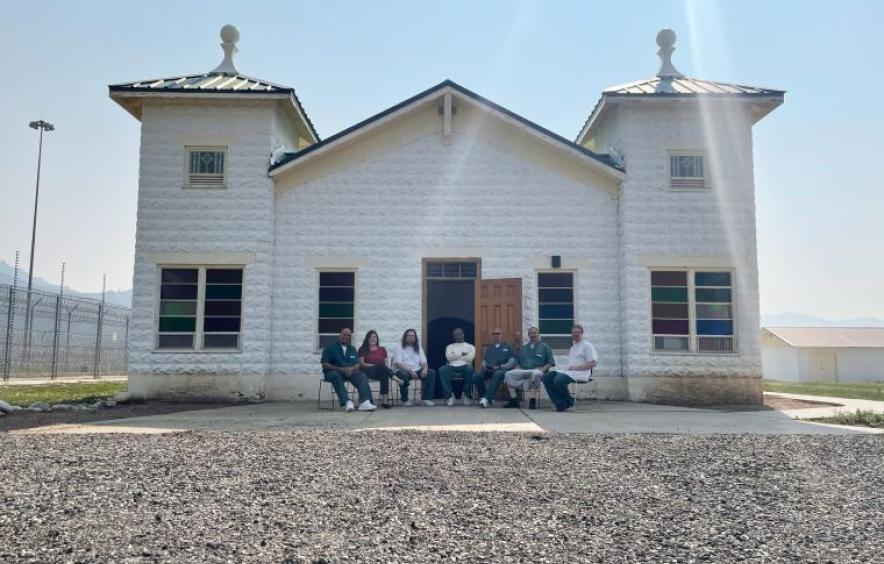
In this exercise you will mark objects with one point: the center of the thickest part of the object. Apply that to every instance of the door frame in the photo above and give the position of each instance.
(424, 262)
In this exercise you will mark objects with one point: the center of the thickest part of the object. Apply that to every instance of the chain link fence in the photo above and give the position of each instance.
(60, 336)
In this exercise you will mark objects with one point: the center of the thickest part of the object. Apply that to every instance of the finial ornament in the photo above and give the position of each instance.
(666, 42)
(229, 39)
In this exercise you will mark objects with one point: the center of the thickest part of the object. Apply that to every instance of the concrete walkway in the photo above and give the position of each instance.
(590, 417)
(841, 405)
(61, 380)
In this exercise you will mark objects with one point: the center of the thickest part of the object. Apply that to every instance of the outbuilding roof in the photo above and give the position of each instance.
(206, 82)
(830, 337)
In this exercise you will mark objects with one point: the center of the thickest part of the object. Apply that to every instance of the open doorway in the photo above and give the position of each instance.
(449, 302)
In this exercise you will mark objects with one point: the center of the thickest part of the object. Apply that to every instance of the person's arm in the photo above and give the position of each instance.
(509, 364)
(549, 360)
(364, 364)
(591, 362)
(471, 354)
(450, 355)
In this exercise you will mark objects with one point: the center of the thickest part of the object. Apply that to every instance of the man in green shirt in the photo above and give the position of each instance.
(535, 360)
(340, 362)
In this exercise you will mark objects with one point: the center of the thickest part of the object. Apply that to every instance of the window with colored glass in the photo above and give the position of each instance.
(222, 310)
(555, 308)
(713, 304)
(670, 320)
(337, 304)
(179, 291)
(200, 308)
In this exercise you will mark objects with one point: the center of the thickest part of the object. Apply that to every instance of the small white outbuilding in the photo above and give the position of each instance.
(812, 354)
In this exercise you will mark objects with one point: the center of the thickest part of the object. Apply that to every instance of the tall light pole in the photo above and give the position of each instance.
(42, 126)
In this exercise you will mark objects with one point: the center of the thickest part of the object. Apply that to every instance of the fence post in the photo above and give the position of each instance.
(10, 327)
(126, 349)
(54, 370)
(96, 365)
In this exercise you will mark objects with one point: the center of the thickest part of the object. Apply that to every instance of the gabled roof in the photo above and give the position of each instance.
(687, 86)
(212, 83)
(679, 87)
(830, 337)
(289, 158)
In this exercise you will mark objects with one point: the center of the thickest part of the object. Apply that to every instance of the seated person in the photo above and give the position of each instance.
(460, 357)
(373, 360)
(582, 358)
(340, 362)
(410, 363)
(535, 360)
(498, 358)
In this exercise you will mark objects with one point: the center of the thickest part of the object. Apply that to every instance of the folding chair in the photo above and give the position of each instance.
(572, 389)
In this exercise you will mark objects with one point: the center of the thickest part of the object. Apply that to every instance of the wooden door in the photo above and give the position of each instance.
(498, 305)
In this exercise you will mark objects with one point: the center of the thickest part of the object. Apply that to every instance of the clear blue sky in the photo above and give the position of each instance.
(819, 158)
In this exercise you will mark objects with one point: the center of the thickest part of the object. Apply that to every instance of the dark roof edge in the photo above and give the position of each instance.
(289, 157)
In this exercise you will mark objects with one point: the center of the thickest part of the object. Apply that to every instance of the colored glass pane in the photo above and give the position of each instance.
(712, 278)
(555, 327)
(715, 327)
(336, 294)
(337, 278)
(714, 311)
(224, 276)
(175, 341)
(336, 310)
(178, 292)
(177, 324)
(556, 311)
(555, 280)
(671, 311)
(177, 308)
(223, 308)
(223, 292)
(722, 295)
(220, 341)
(334, 325)
(555, 296)
(669, 278)
(671, 294)
(670, 326)
(221, 324)
(671, 343)
(716, 344)
(180, 275)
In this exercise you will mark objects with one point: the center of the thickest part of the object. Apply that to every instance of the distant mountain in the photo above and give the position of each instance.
(7, 272)
(793, 319)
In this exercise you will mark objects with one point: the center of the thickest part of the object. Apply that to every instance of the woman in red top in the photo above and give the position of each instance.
(373, 358)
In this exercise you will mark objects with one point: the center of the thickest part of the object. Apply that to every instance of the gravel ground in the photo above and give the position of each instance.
(325, 496)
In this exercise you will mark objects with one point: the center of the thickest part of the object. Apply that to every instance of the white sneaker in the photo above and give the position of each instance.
(467, 400)
(349, 407)
(483, 402)
(450, 401)
(408, 403)
(428, 403)
(367, 406)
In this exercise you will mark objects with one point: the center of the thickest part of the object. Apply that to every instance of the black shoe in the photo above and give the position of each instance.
(532, 403)
(512, 403)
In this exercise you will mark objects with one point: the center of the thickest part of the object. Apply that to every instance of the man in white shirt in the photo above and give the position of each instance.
(460, 357)
(582, 358)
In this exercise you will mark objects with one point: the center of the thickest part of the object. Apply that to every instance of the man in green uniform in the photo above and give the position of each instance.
(535, 360)
(339, 363)
(498, 358)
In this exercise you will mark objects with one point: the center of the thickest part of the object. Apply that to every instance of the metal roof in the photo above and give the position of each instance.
(687, 85)
(831, 337)
(213, 83)
(600, 157)
(681, 87)
(206, 82)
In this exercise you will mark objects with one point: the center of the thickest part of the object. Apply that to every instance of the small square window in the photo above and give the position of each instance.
(206, 166)
(687, 172)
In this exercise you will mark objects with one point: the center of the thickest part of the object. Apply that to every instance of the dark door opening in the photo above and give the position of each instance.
(449, 302)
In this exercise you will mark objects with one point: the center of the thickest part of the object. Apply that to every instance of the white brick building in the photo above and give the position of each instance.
(256, 241)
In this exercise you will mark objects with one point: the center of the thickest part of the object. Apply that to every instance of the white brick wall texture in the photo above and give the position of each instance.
(419, 201)
(426, 199)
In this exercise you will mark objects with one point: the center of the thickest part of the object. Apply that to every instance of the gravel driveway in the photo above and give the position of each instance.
(326, 496)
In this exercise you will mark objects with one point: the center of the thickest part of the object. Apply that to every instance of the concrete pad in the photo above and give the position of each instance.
(590, 417)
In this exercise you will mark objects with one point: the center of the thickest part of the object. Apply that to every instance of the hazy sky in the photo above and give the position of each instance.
(819, 157)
